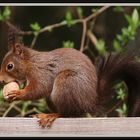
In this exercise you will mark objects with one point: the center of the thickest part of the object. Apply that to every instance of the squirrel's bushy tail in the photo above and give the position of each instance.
(120, 67)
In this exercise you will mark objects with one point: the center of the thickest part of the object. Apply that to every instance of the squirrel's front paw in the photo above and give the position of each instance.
(14, 95)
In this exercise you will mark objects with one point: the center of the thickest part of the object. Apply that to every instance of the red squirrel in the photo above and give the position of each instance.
(68, 79)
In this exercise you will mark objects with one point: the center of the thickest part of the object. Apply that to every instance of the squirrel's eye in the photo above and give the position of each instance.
(10, 66)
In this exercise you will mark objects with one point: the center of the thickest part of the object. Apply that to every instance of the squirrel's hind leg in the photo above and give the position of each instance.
(73, 94)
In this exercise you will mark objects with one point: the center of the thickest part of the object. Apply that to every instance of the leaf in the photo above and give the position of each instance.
(1, 17)
(6, 13)
(125, 31)
(69, 19)
(21, 86)
(132, 38)
(1, 93)
(100, 46)
(124, 107)
(35, 26)
(119, 37)
(128, 18)
(68, 44)
(42, 105)
(117, 46)
(68, 16)
(121, 94)
(25, 106)
(120, 111)
(1, 96)
(80, 12)
(135, 16)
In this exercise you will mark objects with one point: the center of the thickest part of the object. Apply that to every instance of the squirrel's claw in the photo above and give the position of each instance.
(46, 119)
(43, 122)
(13, 95)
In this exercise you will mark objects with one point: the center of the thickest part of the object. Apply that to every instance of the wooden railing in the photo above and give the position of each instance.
(68, 127)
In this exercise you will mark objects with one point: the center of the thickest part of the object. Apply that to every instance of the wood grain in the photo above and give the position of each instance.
(13, 127)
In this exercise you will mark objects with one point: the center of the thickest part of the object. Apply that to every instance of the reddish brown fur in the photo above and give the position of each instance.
(66, 76)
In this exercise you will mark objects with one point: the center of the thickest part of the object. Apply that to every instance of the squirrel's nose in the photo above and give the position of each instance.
(2, 81)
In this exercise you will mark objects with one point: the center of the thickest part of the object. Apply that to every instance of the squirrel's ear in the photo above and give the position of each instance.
(17, 48)
(11, 47)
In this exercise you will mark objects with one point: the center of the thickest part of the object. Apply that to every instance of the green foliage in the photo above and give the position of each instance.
(117, 46)
(127, 33)
(121, 94)
(1, 97)
(135, 17)
(5, 15)
(25, 106)
(42, 105)
(38, 106)
(100, 46)
(35, 27)
(69, 19)
(68, 44)
(21, 86)
(122, 110)
(80, 12)
(121, 91)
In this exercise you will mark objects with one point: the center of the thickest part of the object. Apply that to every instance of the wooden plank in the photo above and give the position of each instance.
(10, 126)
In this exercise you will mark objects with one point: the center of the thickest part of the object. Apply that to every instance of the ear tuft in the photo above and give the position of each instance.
(18, 49)
(14, 37)
(11, 47)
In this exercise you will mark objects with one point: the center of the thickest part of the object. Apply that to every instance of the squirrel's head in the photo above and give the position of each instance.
(13, 65)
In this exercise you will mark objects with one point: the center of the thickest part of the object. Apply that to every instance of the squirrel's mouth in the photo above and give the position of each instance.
(22, 83)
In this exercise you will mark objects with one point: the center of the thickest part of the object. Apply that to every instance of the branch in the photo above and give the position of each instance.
(22, 33)
(34, 110)
(34, 41)
(92, 23)
(89, 33)
(83, 36)
(94, 15)
(10, 107)
(63, 23)
(92, 37)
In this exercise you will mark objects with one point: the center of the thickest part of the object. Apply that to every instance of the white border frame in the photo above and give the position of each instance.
(69, 4)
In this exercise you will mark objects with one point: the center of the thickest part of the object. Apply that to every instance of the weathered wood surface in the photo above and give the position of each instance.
(23, 127)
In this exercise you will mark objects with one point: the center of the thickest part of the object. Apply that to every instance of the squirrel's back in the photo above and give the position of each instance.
(64, 58)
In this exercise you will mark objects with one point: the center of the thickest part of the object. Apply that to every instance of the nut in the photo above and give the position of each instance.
(9, 87)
